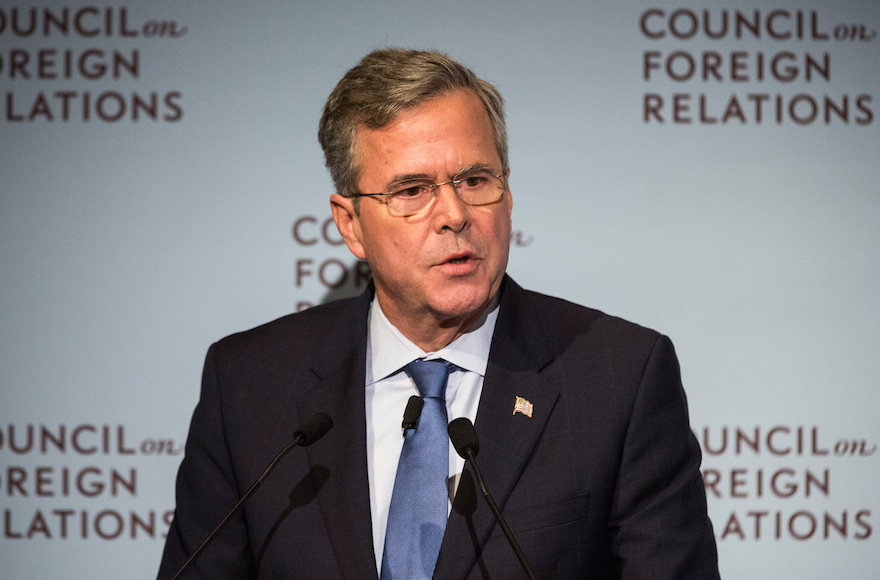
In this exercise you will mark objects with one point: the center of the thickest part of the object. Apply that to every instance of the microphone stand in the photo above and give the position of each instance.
(464, 439)
(312, 430)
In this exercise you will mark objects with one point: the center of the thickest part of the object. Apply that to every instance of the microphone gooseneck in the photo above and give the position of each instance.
(307, 433)
(467, 445)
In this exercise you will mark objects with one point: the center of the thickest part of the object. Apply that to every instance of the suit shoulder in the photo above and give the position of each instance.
(318, 328)
(571, 328)
(564, 315)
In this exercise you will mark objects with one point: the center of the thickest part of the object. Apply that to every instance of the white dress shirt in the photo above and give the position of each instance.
(388, 390)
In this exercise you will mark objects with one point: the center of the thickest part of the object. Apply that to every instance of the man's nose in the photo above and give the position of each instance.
(449, 211)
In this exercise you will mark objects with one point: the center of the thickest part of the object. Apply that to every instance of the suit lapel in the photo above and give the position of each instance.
(519, 352)
(344, 498)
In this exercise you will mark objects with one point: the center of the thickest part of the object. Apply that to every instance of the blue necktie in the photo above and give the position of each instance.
(417, 517)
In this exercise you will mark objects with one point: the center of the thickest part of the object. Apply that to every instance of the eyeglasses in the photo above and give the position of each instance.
(473, 187)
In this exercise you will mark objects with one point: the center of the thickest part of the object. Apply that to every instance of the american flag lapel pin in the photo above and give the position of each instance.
(523, 406)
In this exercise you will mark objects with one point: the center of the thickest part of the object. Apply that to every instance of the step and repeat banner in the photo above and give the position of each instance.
(707, 169)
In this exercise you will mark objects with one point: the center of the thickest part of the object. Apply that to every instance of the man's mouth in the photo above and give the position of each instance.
(461, 260)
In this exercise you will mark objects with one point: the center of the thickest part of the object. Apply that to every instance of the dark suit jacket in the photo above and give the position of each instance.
(602, 481)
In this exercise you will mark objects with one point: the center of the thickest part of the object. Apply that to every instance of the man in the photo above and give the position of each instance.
(581, 418)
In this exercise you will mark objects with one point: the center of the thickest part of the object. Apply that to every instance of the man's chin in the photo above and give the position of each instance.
(461, 304)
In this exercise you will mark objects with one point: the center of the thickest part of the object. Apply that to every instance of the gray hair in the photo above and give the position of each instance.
(380, 87)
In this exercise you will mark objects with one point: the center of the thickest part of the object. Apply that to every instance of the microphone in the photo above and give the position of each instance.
(464, 439)
(412, 412)
(307, 433)
(311, 430)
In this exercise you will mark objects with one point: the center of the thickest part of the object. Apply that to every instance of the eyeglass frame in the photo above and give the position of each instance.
(435, 187)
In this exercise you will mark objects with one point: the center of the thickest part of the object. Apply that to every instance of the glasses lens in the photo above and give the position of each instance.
(473, 188)
(479, 188)
(409, 198)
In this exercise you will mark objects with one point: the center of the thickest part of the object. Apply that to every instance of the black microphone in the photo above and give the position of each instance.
(307, 433)
(412, 412)
(464, 439)
(310, 431)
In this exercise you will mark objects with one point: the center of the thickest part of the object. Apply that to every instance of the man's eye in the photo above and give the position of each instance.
(473, 181)
(411, 190)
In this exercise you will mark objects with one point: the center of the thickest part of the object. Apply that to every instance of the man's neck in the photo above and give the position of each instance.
(430, 332)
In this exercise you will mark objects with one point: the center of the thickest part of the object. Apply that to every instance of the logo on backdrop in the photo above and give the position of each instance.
(69, 48)
(781, 482)
(79, 482)
(774, 66)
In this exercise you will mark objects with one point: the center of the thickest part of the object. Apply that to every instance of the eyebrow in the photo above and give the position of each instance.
(404, 177)
(474, 167)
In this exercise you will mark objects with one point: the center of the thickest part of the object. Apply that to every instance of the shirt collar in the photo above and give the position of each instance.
(388, 350)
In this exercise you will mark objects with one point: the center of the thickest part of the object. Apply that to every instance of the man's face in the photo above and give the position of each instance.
(447, 262)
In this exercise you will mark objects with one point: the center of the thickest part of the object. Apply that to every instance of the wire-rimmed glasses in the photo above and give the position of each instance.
(406, 198)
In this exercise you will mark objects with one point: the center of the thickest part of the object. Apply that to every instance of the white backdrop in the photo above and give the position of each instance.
(156, 158)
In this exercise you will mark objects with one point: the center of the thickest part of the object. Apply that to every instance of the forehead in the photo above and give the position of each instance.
(437, 137)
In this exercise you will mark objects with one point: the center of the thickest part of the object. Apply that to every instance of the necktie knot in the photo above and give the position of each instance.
(430, 377)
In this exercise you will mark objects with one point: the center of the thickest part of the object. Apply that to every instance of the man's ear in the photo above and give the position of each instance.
(509, 194)
(348, 223)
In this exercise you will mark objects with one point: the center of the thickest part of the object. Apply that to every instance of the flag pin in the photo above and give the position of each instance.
(523, 406)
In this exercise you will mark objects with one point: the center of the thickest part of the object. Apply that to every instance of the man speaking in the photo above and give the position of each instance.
(581, 418)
